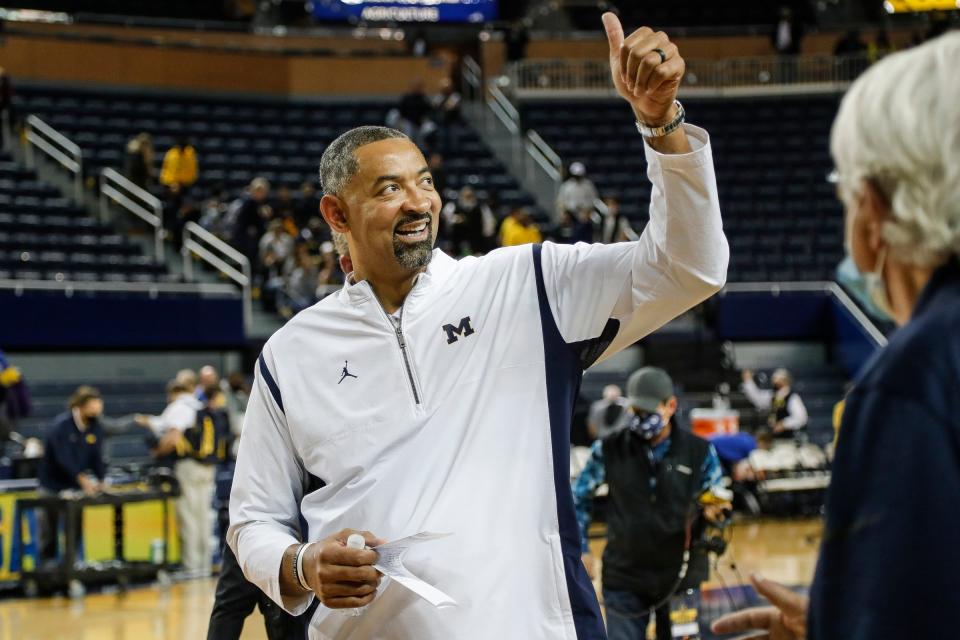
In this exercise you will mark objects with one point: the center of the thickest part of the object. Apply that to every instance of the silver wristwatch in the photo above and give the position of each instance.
(658, 132)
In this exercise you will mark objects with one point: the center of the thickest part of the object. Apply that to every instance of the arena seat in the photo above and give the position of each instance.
(771, 154)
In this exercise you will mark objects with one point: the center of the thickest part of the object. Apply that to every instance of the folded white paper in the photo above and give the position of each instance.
(390, 564)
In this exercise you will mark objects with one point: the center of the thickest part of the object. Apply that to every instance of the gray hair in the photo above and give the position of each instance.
(898, 127)
(338, 163)
(340, 243)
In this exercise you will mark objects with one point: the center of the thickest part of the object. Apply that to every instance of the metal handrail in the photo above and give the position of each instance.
(591, 77)
(503, 109)
(832, 288)
(215, 252)
(152, 288)
(59, 147)
(135, 199)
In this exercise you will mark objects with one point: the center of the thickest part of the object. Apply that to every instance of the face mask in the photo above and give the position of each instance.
(855, 282)
(647, 426)
(876, 289)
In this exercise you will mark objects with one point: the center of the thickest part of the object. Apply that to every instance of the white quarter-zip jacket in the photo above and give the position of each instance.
(458, 420)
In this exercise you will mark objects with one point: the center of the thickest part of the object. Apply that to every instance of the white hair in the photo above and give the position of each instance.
(899, 127)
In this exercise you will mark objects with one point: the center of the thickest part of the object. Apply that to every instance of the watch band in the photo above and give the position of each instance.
(658, 132)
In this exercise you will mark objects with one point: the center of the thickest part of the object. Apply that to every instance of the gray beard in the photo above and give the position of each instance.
(414, 256)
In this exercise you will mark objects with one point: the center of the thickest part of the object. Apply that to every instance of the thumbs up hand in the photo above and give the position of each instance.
(646, 69)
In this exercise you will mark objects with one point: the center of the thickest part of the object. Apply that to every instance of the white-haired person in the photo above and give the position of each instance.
(889, 560)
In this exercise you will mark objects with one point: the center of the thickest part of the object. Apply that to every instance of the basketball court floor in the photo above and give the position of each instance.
(781, 550)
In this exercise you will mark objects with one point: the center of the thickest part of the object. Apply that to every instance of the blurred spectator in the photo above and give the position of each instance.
(247, 217)
(276, 258)
(307, 205)
(196, 479)
(577, 192)
(180, 209)
(188, 378)
(418, 44)
(213, 215)
(614, 224)
(72, 461)
(283, 204)
(179, 166)
(236, 393)
(437, 172)
(787, 34)
(412, 115)
(208, 380)
(788, 415)
(606, 413)
(315, 234)
(519, 228)
(734, 450)
(300, 290)
(471, 223)
(850, 44)
(447, 113)
(330, 274)
(14, 398)
(138, 161)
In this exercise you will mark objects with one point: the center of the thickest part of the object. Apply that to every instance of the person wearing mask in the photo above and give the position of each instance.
(72, 461)
(889, 561)
(787, 413)
(656, 474)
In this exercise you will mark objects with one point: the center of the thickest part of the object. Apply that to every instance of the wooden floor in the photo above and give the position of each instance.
(784, 551)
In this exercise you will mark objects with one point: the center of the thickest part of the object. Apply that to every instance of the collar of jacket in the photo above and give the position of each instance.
(948, 273)
(440, 267)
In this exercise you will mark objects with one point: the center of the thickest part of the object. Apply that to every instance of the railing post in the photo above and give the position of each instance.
(78, 180)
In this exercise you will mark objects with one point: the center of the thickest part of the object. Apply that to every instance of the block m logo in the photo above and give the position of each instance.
(463, 330)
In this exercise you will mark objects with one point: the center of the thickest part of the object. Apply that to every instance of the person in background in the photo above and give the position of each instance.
(788, 415)
(605, 414)
(15, 400)
(138, 161)
(196, 479)
(656, 474)
(179, 166)
(889, 560)
(470, 222)
(307, 205)
(247, 217)
(519, 228)
(72, 461)
(576, 193)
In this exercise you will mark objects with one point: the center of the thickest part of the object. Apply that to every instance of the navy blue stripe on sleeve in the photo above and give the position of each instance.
(271, 383)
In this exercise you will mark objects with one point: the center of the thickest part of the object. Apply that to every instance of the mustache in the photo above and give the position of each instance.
(411, 218)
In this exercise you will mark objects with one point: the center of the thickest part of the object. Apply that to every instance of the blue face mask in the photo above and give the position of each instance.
(867, 288)
(647, 425)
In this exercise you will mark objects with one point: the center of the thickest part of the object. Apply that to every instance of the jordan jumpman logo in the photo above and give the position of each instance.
(345, 374)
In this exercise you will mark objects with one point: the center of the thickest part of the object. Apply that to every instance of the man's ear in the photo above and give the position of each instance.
(875, 207)
(670, 406)
(331, 208)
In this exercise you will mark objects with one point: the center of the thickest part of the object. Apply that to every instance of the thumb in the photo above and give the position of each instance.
(611, 24)
(781, 597)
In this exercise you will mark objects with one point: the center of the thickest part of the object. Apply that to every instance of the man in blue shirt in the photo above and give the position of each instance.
(655, 474)
(72, 460)
(73, 449)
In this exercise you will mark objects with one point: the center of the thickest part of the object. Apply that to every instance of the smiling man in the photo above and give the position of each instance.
(456, 415)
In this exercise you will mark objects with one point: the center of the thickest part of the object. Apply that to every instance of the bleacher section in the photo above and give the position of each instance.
(44, 236)
(686, 13)
(238, 139)
(782, 218)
